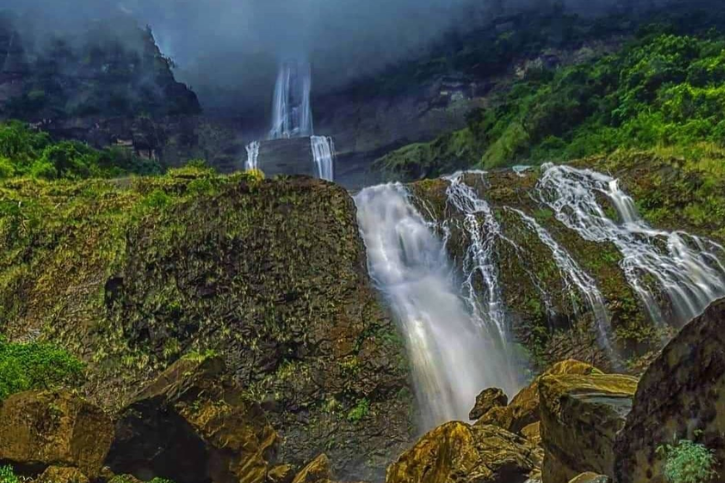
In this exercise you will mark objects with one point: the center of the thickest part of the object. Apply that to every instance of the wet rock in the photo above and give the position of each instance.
(590, 478)
(281, 474)
(580, 417)
(60, 474)
(487, 400)
(42, 429)
(462, 453)
(532, 432)
(317, 471)
(192, 424)
(524, 407)
(680, 396)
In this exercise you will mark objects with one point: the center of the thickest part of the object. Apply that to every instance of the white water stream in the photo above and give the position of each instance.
(452, 357)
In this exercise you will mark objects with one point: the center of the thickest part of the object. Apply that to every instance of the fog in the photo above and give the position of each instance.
(227, 50)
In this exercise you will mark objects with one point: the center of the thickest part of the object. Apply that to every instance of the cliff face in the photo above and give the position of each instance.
(107, 85)
(131, 275)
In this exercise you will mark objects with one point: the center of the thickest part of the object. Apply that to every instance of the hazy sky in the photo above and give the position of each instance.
(234, 45)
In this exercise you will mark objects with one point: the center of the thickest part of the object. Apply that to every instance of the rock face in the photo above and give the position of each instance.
(193, 424)
(317, 471)
(43, 429)
(59, 474)
(271, 275)
(580, 417)
(487, 400)
(681, 396)
(286, 156)
(457, 452)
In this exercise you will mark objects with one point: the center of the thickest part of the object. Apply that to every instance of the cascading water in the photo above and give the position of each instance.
(686, 268)
(480, 256)
(576, 279)
(291, 111)
(252, 156)
(323, 153)
(451, 356)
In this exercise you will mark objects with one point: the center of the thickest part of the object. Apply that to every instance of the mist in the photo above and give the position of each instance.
(228, 50)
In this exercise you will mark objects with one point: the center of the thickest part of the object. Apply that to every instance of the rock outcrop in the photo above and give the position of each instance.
(62, 474)
(43, 429)
(523, 410)
(457, 452)
(680, 396)
(317, 471)
(269, 274)
(487, 400)
(580, 417)
(193, 424)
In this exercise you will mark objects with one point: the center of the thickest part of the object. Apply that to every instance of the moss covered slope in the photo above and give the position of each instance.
(130, 275)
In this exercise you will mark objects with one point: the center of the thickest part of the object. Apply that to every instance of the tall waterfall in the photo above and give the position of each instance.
(252, 156)
(291, 111)
(323, 154)
(451, 356)
(685, 267)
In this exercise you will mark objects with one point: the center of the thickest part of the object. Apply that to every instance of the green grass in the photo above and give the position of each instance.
(688, 462)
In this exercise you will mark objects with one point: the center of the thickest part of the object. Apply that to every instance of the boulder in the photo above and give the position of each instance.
(317, 471)
(61, 474)
(39, 429)
(680, 396)
(590, 478)
(281, 474)
(498, 416)
(193, 424)
(580, 417)
(465, 454)
(487, 400)
(532, 432)
(524, 407)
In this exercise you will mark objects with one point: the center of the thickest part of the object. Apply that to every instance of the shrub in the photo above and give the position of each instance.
(361, 410)
(688, 462)
(7, 475)
(35, 366)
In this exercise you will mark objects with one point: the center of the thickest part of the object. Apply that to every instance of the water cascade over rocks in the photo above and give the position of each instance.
(440, 271)
(685, 267)
(323, 153)
(452, 358)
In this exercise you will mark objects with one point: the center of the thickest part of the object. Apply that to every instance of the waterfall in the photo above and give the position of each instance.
(452, 359)
(323, 153)
(684, 267)
(291, 111)
(252, 156)
(480, 258)
(575, 279)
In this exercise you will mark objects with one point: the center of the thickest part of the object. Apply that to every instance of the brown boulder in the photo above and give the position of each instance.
(317, 471)
(281, 474)
(487, 400)
(60, 474)
(43, 429)
(532, 432)
(580, 417)
(193, 424)
(680, 396)
(457, 452)
(498, 416)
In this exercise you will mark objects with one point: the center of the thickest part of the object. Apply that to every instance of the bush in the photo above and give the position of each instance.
(688, 462)
(7, 475)
(35, 366)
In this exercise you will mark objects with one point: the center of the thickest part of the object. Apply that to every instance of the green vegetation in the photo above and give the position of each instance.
(660, 90)
(35, 366)
(27, 152)
(7, 475)
(688, 462)
(361, 410)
